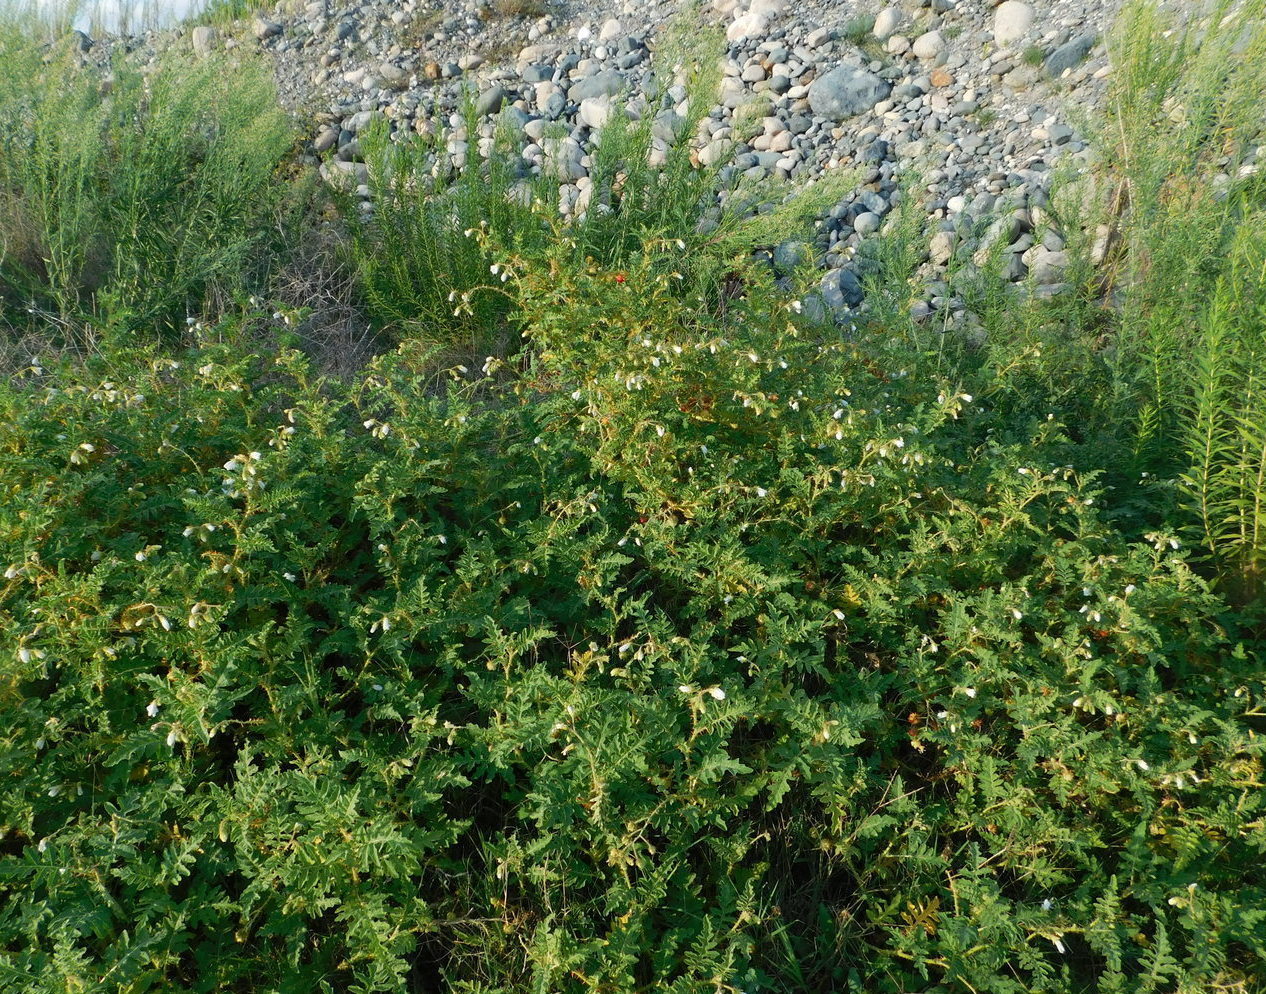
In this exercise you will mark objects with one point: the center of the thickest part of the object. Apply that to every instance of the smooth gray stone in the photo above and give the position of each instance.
(841, 289)
(846, 92)
(490, 100)
(1070, 53)
(606, 83)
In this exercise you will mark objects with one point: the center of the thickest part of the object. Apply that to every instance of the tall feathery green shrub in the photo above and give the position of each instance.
(131, 199)
(1185, 129)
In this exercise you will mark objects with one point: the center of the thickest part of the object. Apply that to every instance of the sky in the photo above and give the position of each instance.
(107, 12)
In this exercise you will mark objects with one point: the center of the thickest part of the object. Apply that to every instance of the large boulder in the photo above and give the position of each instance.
(1012, 21)
(606, 83)
(928, 45)
(846, 91)
(886, 23)
(750, 25)
(841, 289)
(1070, 53)
(204, 40)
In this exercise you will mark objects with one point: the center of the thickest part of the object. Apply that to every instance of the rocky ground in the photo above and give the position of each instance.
(980, 102)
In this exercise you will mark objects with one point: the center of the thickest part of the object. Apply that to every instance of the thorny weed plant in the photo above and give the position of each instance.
(699, 647)
(697, 654)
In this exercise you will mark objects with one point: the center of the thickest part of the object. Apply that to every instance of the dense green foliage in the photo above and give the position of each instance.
(133, 202)
(689, 644)
(504, 681)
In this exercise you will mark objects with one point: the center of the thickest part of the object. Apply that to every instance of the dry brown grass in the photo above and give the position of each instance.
(336, 334)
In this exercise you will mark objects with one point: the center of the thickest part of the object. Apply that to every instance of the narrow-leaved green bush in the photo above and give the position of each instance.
(129, 200)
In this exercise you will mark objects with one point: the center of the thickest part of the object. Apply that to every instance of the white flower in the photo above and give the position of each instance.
(1046, 904)
(151, 709)
(139, 557)
(575, 395)
(1173, 543)
(378, 686)
(1130, 588)
(288, 576)
(685, 688)
(172, 739)
(968, 398)
(443, 539)
(232, 465)
(717, 694)
(1022, 471)
(11, 573)
(761, 491)
(1017, 614)
(1058, 945)
(970, 692)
